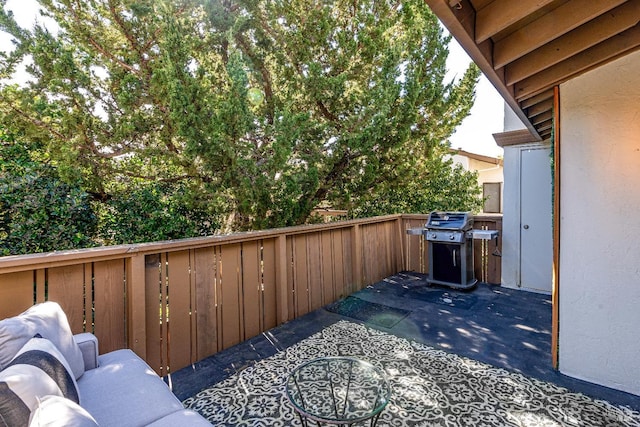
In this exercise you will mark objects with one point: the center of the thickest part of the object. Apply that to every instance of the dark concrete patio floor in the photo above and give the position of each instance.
(506, 328)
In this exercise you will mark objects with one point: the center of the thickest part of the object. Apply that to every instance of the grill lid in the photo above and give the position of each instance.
(449, 221)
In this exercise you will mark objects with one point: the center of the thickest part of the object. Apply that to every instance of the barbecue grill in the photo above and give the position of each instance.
(450, 249)
(450, 239)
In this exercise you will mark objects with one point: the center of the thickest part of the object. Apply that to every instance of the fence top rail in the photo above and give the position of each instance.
(15, 263)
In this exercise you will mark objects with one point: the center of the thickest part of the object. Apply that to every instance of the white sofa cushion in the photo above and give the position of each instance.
(184, 418)
(48, 320)
(56, 411)
(88, 344)
(124, 391)
(38, 370)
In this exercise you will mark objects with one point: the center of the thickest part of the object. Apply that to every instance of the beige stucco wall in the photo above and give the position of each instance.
(600, 225)
(487, 172)
(511, 121)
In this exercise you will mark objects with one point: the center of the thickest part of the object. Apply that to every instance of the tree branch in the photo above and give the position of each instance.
(328, 114)
(155, 178)
(35, 121)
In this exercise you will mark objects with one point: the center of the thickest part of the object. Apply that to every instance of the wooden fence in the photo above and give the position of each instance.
(177, 302)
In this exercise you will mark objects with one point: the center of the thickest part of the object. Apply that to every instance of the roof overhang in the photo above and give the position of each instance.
(514, 137)
(526, 48)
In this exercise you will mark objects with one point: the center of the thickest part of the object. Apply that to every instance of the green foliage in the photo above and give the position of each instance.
(39, 212)
(248, 113)
(151, 213)
(434, 186)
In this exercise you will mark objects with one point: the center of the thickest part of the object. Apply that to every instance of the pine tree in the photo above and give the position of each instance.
(257, 111)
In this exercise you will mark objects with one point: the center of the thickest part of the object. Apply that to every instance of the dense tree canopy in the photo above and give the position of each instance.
(39, 212)
(236, 115)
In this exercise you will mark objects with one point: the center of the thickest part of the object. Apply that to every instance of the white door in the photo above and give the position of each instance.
(536, 247)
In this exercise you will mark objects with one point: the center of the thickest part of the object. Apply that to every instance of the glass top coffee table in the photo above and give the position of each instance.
(338, 390)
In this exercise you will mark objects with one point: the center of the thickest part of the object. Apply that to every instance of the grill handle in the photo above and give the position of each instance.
(454, 258)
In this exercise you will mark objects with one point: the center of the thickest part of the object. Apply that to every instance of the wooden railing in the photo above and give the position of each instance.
(176, 302)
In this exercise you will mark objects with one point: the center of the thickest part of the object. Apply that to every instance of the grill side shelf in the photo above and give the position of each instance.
(416, 231)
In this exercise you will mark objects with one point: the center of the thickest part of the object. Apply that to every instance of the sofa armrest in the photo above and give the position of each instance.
(88, 344)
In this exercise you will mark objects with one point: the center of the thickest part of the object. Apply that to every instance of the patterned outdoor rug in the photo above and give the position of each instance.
(430, 388)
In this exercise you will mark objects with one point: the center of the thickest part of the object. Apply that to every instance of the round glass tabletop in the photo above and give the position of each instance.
(338, 390)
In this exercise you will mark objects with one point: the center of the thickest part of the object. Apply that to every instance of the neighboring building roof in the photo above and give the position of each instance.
(527, 48)
(474, 156)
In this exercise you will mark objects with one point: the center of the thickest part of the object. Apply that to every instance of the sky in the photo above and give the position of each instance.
(473, 135)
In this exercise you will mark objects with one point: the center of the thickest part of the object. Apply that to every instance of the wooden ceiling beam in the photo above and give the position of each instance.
(466, 16)
(595, 56)
(540, 108)
(457, 22)
(546, 135)
(528, 102)
(550, 26)
(545, 126)
(500, 14)
(590, 34)
(479, 4)
(542, 117)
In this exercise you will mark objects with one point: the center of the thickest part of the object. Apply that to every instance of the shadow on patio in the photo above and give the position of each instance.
(505, 328)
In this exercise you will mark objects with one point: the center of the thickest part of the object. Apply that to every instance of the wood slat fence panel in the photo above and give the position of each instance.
(231, 295)
(40, 285)
(370, 251)
(154, 317)
(200, 296)
(65, 285)
(178, 309)
(487, 253)
(337, 261)
(269, 291)
(300, 275)
(314, 270)
(16, 293)
(416, 258)
(289, 289)
(347, 248)
(327, 267)
(251, 289)
(389, 249)
(108, 309)
(205, 302)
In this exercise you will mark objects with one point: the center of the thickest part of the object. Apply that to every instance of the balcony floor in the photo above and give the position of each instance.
(506, 328)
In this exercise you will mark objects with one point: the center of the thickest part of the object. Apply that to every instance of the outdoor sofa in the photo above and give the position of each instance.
(50, 377)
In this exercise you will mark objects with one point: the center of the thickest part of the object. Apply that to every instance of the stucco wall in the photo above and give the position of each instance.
(511, 121)
(487, 172)
(600, 225)
(463, 160)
